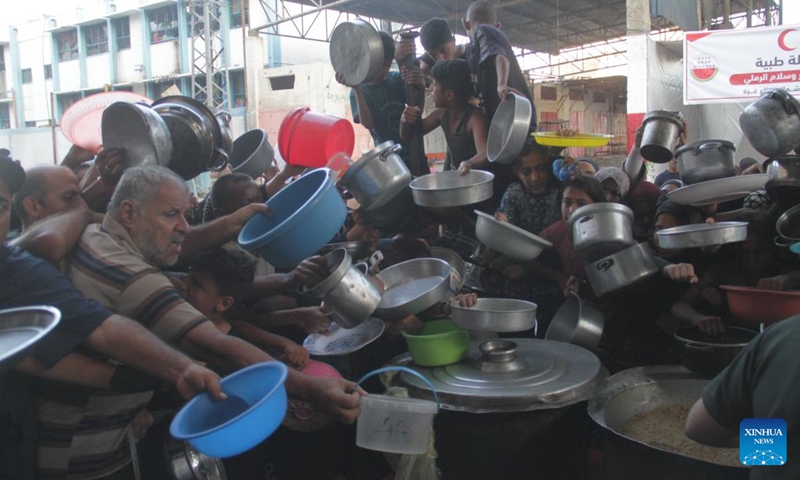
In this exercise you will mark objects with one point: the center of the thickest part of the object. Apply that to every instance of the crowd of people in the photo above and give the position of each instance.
(158, 299)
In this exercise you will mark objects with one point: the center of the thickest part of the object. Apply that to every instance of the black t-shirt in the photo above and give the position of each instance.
(763, 381)
(26, 280)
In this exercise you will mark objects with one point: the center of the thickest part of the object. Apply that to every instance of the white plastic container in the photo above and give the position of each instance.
(395, 424)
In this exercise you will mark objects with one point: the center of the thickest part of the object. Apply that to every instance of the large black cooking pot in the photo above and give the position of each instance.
(772, 123)
(710, 354)
(784, 177)
(643, 389)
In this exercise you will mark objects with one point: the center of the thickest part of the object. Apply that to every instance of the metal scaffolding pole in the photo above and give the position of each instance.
(210, 80)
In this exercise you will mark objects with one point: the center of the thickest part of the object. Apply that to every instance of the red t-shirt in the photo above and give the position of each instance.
(560, 235)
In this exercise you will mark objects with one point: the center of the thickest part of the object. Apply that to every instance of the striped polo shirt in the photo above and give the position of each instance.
(83, 431)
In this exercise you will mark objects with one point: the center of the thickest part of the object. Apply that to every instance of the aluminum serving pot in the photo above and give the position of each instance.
(662, 128)
(356, 51)
(451, 189)
(347, 291)
(377, 177)
(710, 354)
(784, 175)
(788, 227)
(509, 129)
(623, 269)
(495, 315)
(252, 154)
(140, 131)
(601, 229)
(702, 235)
(772, 123)
(706, 160)
(577, 323)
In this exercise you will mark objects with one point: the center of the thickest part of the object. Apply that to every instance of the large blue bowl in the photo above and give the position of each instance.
(255, 407)
(306, 215)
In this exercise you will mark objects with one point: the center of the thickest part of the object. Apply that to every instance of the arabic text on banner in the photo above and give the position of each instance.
(738, 65)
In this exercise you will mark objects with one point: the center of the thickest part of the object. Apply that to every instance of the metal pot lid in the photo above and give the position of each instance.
(601, 207)
(511, 376)
(695, 145)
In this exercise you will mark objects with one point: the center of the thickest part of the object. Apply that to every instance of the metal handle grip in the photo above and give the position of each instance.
(708, 145)
(697, 347)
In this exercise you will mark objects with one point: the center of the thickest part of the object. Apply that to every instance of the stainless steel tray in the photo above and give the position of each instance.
(21, 328)
(702, 235)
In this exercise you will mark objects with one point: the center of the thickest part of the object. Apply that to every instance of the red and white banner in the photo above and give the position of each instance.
(737, 65)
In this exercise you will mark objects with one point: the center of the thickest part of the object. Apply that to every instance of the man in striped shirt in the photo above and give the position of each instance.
(118, 264)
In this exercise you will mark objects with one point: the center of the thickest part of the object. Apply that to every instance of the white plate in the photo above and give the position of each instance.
(718, 191)
(341, 341)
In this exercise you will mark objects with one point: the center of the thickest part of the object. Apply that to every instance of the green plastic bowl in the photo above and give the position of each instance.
(441, 342)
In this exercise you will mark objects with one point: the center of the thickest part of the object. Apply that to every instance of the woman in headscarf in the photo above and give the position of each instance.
(615, 182)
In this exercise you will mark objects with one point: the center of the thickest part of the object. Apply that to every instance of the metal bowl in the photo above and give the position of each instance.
(495, 315)
(508, 239)
(21, 328)
(702, 235)
(140, 131)
(458, 269)
(252, 154)
(451, 189)
(509, 129)
(412, 286)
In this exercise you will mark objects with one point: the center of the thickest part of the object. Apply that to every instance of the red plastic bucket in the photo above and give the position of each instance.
(309, 139)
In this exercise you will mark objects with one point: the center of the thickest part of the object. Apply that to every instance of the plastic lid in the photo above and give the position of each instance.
(400, 404)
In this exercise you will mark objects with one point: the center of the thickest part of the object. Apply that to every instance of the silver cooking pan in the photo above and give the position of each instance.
(621, 270)
(21, 329)
(458, 269)
(139, 130)
(702, 235)
(495, 315)
(509, 129)
(356, 51)
(412, 286)
(451, 189)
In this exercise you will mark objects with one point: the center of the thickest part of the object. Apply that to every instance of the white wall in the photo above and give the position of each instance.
(97, 69)
(164, 59)
(34, 146)
(69, 76)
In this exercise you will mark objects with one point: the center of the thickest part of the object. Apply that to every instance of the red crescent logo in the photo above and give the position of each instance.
(782, 40)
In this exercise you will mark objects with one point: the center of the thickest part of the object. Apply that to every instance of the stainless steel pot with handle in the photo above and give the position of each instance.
(662, 128)
(601, 229)
(706, 160)
(784, 177)
(140, 131)
(621, 270)
(347, 291)
(772, 123)
(356, 51)
(377, 177)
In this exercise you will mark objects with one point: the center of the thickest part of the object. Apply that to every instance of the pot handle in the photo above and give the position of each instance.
(220, 165)
(393, 149)
(708, 145)
(224, 116)
(783, 242)
(779, 95)
(586, 218)
(407, 370)
(697, 347)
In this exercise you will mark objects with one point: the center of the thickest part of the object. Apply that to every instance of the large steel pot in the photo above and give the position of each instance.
(622, 269)
(601, 229)
(640, 390)
(377, 177)
(509, 129)
(788, 227)
(451, 189)
(772, 123)
(784, 177)
(495, 315)
(710, 354)
(200, 142)
(252, 154)
(356, 51)
(139, 130)
(347, 291)
(662, 129)
(702, 235)
(577, 323)
(706, 160)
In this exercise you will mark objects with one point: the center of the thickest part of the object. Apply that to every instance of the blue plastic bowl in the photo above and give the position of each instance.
(306, 215)
(255, 407)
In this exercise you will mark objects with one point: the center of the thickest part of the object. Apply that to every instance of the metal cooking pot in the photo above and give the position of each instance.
(621, 270)
(784, 177)
(458, 269)
(601, 229)
(788, 227)
(356, 51)
(347, 291)
(451, 189)
(495, 315)
(378, 177)
(186, 463)
(577, 323)
(702, 235)
(197, 133)
(662, 128)
(706, 160)
(772, 123)
(357, 250)
(225, 147)
(640, 390)
(252, 154)
(140, 131)
(710, 354)
(509, 129)
(510, 240)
